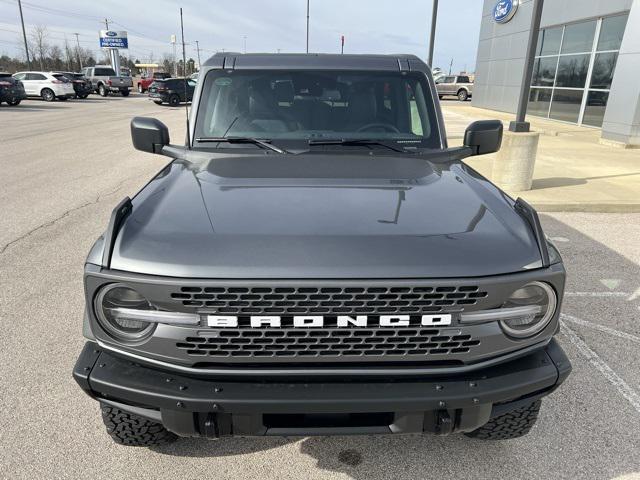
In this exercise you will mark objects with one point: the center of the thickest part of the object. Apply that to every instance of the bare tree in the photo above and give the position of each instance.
(55, 54)
(39, 43)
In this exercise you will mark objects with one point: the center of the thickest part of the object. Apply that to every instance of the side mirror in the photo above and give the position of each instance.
(149, 134)
(484, 136)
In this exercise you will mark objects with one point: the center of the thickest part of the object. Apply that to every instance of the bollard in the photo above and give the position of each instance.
(513, 164)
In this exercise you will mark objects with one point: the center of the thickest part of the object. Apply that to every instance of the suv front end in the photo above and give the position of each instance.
(265, 291)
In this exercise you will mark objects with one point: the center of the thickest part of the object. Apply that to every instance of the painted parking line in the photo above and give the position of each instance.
(599, 364)
(597, 294)
(602, 328)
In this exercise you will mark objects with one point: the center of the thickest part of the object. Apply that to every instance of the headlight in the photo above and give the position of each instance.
(537, 303)
(109, 304)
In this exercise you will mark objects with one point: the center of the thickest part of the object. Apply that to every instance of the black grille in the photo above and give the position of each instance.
(355, 342)
(329, 300)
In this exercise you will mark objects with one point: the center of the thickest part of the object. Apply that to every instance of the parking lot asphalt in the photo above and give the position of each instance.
(64, 166)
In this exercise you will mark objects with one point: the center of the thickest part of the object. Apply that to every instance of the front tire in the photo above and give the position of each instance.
(102, 90)
(174, 100)
(124, 93)
(83, 96)
(158, 102)
(514, 424)
(48, 95)
(14, 103)
(63, 99)
(463, 95)
(129, 429)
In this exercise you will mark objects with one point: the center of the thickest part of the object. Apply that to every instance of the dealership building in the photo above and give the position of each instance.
(587, 63)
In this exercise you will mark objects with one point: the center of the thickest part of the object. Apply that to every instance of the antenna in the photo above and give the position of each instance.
(184, 76)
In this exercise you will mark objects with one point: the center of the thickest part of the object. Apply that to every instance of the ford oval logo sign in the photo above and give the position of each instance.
(111, 34)
(505, 10)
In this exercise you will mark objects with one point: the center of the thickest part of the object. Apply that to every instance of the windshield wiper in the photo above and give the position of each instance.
(254, 141)
(356, 141)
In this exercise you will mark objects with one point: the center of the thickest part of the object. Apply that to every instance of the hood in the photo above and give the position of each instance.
(322, 216)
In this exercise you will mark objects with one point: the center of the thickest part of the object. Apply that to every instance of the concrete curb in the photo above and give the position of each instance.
(585, 207)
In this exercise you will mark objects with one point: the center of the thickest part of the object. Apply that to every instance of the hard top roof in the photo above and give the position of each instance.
(315, 61)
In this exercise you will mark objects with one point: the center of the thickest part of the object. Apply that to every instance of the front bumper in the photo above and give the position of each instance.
(7, 95)
(196, 406)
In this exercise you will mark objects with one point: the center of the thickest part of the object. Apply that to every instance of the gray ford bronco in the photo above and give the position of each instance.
(316, 260)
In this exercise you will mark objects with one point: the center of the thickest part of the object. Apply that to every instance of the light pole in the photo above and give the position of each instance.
(520, 124)
(432, 35)
(198, 50)
(307, 26)
(78, 50)
(24, 35)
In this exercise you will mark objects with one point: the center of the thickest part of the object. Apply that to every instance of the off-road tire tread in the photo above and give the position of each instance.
(133, 430)
(514, 424)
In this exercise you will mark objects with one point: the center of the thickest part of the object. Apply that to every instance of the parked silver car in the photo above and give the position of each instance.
(47, 85)
(457, 85)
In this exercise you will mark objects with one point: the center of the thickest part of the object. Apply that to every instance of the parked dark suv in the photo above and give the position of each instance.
(317, 260)
(172, 91)
(11, 90)
(81, 85)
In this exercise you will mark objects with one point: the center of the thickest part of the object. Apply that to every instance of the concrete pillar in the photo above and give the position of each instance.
(513, 164)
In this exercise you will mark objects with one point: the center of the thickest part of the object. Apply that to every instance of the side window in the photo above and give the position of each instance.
(39, 76)
(463, 80)
(450, 80)
(20, 76)
(415, 115)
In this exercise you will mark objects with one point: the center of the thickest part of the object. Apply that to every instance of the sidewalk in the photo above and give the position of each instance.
(573, 171)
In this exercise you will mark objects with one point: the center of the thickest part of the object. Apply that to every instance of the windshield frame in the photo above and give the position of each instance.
(430, 115)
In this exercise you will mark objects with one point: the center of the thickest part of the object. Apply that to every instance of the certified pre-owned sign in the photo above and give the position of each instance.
(505, 10)
(113, 39)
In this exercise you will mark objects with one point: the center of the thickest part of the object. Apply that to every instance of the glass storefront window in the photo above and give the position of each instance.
(544, 71)
(566, 105)
(539, 101)
(603, 67)
(578, 37)
(594, 110)
(549, 41)
(572, 71)
(611, 32)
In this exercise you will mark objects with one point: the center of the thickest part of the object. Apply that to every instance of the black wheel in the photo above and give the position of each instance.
(102, 90)
(15, 102)
(63, 99)
(48, 95)
(140, 89)
(174, 100)
(83, 96)
(463, 95)
(157, 102)
(129, 429)
(510, 425)
(125, 93)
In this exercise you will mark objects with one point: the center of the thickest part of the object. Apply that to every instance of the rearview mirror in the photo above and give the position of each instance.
(149, 134)
(484, 136)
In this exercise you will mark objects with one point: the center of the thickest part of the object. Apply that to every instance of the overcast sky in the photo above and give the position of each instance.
(370, 26)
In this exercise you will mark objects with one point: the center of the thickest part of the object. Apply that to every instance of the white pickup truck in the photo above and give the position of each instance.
(104, 80)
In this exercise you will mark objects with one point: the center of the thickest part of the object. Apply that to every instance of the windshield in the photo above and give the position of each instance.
(315, 105)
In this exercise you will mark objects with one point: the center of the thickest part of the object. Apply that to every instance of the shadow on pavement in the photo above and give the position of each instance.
(552, 182)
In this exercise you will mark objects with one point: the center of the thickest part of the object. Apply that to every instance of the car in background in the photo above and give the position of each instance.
(457, 85)
(11, 90)
(81, 85)
(104, 80)
(47, 85)
(172, 91)
(145, 82)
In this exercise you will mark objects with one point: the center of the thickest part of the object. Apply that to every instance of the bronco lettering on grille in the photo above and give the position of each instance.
(341, 321)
